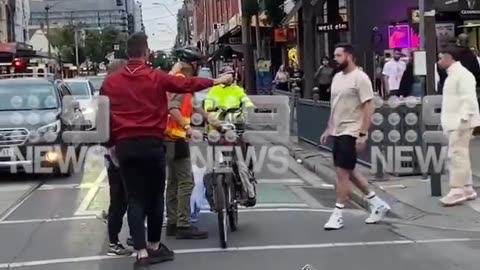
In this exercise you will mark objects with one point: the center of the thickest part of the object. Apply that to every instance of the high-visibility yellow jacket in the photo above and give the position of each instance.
(226, 97)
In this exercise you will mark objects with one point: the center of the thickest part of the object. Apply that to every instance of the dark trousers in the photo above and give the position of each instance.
(142, 165)
(118, 202)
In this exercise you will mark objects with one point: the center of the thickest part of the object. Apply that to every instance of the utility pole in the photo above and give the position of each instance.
(257, 35)
(76, 48)
(248, 62)
(47, 21)
(308, 47)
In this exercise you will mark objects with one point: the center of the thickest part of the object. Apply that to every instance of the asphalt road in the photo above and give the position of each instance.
(55, 227)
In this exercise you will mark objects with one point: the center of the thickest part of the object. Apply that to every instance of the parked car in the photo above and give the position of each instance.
(84, 91)
(96, 81)
(33, 117)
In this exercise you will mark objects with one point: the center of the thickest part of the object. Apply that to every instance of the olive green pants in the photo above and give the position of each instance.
(179, 187)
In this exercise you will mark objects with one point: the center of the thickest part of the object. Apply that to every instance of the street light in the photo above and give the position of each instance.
(47, 20)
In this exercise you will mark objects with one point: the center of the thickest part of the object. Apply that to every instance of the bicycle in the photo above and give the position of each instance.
(225, 180)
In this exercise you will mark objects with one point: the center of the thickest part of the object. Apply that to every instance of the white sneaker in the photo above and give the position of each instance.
(377, 213)
(334, 223)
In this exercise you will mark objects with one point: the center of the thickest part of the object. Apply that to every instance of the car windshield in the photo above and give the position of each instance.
(79, 89)
(27, 97)
(97, 82)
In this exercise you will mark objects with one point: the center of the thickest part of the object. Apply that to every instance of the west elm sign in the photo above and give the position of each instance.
(332, 27)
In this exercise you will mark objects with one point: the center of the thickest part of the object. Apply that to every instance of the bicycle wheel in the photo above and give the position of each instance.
(233, 218)
(220, 206)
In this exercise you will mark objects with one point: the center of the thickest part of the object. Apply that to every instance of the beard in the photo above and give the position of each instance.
(342, 66)
(396, 58)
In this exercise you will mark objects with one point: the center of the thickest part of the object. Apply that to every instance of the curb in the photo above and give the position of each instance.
(325, 171)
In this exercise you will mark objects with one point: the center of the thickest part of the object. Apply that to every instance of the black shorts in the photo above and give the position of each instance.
(345, 152)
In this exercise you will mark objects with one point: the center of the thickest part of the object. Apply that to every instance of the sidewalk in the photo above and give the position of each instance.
(409, 197)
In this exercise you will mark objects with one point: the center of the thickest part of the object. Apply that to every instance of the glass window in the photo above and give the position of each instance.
(27, 97)
(79, 89)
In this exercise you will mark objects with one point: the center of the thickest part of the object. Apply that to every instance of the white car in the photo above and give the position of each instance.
(84, 91)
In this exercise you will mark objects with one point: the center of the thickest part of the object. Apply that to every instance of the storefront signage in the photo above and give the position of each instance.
(281, 35)
(235, 40)
(470, 8)
(332, 27)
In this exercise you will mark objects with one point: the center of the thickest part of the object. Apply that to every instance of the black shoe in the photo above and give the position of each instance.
(141, 264)
(162, 254)
(118, 250)
(130, 242)
(191, 232)
(171, 230)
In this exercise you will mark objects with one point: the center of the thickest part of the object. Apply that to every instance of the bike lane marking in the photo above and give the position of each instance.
(83, 208)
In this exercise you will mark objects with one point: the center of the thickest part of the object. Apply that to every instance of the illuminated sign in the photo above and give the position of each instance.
(332, 27)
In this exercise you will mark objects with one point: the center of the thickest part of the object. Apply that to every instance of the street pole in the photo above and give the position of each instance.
(47, 21)
(248, 53)
(308, 47)
(428, 43)
(76, 48)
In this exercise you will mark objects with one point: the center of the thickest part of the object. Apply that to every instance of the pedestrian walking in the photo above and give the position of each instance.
(352, 108)
(459, 116)
(118, 197)
(139, 111)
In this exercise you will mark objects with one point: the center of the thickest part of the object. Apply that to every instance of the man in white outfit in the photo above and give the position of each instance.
(460, 115)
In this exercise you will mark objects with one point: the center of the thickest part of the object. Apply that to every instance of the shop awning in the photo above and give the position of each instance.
(226, 52)
(292, 12)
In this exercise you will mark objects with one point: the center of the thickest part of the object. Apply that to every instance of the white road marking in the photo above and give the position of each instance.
(13, 188)
(46, 220)
(246, 248)
(280, 181)
(392, 187)
(74, 186)
(91, 194)
(242, 210)
(269, 205)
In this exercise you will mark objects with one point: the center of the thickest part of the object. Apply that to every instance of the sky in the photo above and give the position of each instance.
(159, 17)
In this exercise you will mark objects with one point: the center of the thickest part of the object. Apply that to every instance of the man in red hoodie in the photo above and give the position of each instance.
(139, 110)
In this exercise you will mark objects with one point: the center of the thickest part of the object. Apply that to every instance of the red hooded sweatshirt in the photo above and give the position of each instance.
(138, 99)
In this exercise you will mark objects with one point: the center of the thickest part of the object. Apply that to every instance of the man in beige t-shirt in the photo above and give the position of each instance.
(352, 109)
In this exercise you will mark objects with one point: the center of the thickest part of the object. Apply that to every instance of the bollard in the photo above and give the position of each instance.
(316, 94)
(437, 140)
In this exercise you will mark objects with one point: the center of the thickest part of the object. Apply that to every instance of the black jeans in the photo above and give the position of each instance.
(142, 165)
(118, 202)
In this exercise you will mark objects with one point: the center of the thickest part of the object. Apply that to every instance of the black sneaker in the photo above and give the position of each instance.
(130, 242)
(171, 230)
(162, 254)
(141, 264)
(191, 232)
(118, 250)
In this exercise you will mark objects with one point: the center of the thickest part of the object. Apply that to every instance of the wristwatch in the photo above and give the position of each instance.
(362, 134)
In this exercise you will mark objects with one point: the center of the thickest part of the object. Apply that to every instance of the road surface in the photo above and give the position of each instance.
(54, 226)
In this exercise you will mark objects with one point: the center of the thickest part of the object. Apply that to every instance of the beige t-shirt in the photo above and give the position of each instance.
(349, 92)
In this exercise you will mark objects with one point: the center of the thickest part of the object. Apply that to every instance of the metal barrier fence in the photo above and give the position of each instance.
(396, 127)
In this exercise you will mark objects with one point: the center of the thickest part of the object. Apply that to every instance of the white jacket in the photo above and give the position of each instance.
(459, 103)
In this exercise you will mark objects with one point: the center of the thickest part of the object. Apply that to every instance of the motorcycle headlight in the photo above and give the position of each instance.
(52, 127)
(87, 110)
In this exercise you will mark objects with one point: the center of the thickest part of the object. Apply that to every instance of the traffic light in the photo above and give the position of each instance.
(130, 24)
(119, 3)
